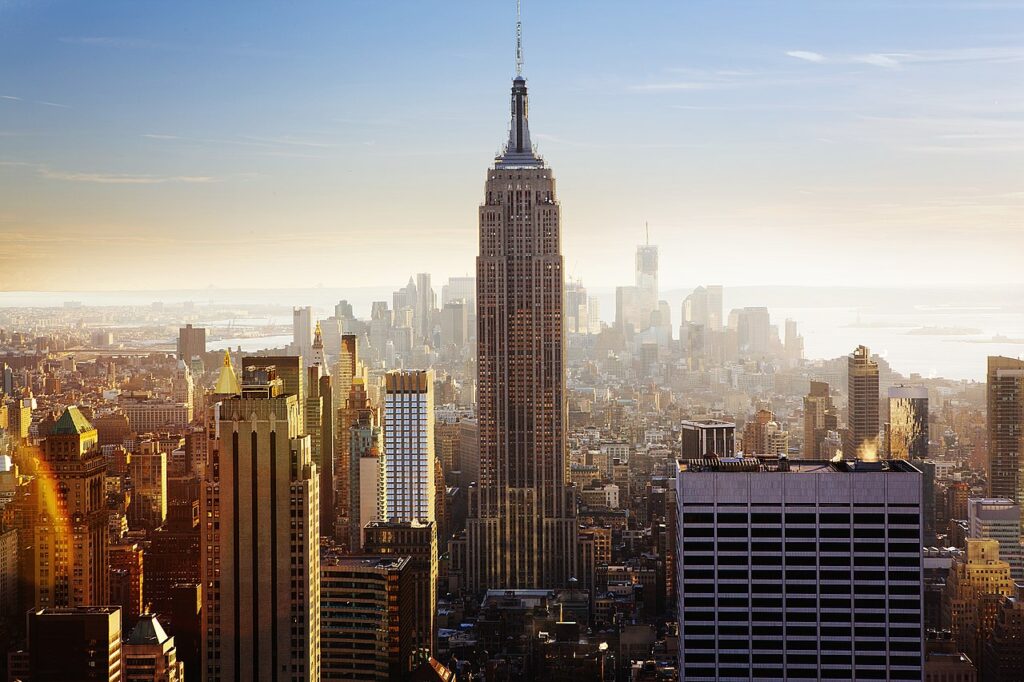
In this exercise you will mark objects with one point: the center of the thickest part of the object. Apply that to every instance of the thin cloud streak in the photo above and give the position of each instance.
(891, 60)
(48, 173)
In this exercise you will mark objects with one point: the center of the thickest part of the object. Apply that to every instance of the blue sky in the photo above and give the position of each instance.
(765, 142)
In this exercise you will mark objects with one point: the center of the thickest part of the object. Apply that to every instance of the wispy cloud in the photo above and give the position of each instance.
(989, 55)
(49, 173)
(679, 85)
(14, 98)
(122, 178)
(807, 56)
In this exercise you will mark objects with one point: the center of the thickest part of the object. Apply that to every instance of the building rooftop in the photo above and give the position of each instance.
(798, 466)
(71, 422)
(335, 557)
(227, 381)
(706, 423)
(147, 631)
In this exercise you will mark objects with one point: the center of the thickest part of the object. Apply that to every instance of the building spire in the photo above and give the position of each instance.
(519, 38)
(518, 152)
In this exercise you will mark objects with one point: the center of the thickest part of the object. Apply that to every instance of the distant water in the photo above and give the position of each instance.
(928, 331)
(250, 344)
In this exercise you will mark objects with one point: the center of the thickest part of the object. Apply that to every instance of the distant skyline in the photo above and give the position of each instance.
(344, 144)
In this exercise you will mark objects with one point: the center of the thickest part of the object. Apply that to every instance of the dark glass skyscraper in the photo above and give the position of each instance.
(522, 526)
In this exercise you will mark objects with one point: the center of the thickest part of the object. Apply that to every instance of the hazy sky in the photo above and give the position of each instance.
(184, 144)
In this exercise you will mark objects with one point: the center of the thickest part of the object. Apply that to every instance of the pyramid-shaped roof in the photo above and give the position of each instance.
(72, 422)
(147, 631)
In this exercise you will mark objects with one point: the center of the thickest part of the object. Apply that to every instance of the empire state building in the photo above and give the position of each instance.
(522, 519)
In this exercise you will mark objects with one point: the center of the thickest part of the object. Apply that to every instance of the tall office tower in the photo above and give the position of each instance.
(426, 301)
(862, 406)
(365, 480)
(715, 317)
(695, 307)
(182, 385)
(302, 332)
(1005, 427)
(819, 418)
(9, 597)
(646, 272)
(409, 445)
(291, 371)
(804, 569)
(172, 557)
(794, 344)
(707, 438)
(576, 314)
(191, 343)
(755, 433)
(753, 331)
(418, 541)
(976, 585)
(459, 289)
(343, 310)
(347, 408)
(320, 418)
(776, 439)
(990, 518)
(75, 643)
(148, 470)
(405, 298)
(127, 574)
(454, 325)
(367, 616)
(69, 532)
(150, 654)
(260, 538)
(908, 423)
(1004, 650)
(522, 525)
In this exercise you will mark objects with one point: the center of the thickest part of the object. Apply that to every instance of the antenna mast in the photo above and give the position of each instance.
(519, 38)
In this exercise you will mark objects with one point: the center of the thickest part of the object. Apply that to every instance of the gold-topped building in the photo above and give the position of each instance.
(69, 530)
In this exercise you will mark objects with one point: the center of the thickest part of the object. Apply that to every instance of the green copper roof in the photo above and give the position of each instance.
(71, 422)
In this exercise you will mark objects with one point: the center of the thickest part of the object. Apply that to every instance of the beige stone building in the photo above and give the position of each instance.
(260, 537)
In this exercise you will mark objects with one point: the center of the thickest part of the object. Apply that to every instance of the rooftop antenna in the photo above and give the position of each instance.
(519, 39)
(647, 233)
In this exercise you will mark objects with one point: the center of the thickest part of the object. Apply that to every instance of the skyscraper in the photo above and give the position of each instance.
(1005, 426)
(804, 569)
(302, 332)
(862, 418)
(646, 274)
(907, 433)
(753, 331)
(191, 343)
(977, 582)
(998, 519)
(82, 643)
(319, 420)
(348, 407)
(425, 303)
(260, 538)
(522, 526)
(409, 445)
(368, 617)
(819, 418)
(69, 530)
(714, 294)
(707, 438)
